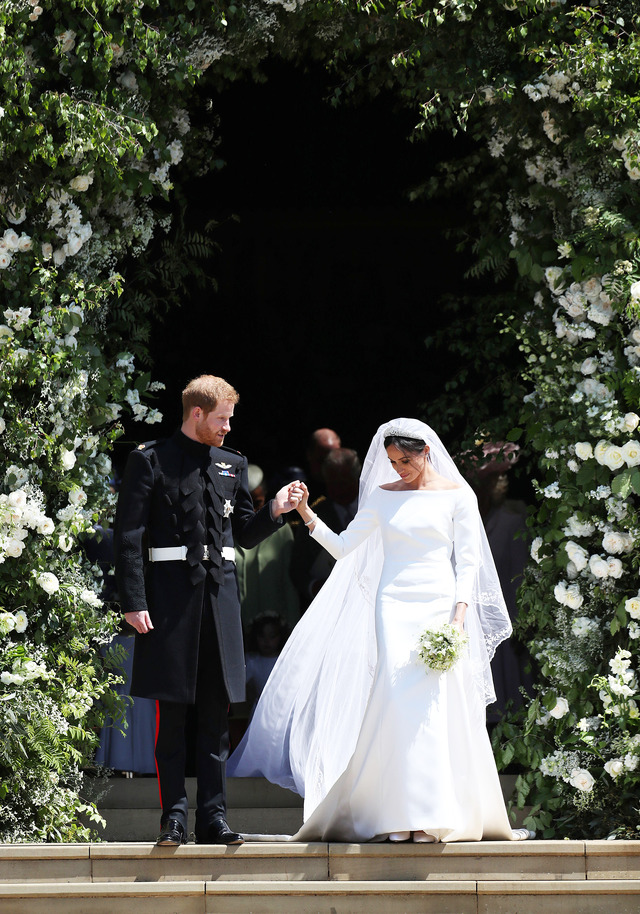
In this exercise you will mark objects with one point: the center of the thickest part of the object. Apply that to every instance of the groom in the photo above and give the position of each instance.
(182, 503)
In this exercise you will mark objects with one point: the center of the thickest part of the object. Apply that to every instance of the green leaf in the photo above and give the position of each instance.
(621, 484)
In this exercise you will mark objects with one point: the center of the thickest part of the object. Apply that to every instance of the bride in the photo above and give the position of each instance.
(379, 745)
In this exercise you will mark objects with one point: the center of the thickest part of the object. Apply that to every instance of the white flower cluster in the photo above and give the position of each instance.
(20, 512)
(619, 688)
(632, 351)
(629, 146)
(13, 622)
(614, 457)
(558, 86)
(11, 244)
(580, 306)
(160, 175)
(565, 766)
(24, 671)
(140, 410)
(568, 595)
(65, 217)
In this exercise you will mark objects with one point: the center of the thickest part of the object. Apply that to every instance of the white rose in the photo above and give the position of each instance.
(631, 421)
(631, 453)
(21, 621)
(552, 275)
(11, 239)
(589, 366)
(613, 542)
(47, 250)
(600, 450)
(535, 546)
(598, 567)
(634, 291)
(615, 567)
(560, 593)
(13, 548)
(632, 606)
(81, 182)
(90, 598)
(77, 496)
(614, 767)
(68, 458)
(17, 498)
(560, 708)
(582, 779)
(577, 555)
(584, 450)
(574, 598)
(48, 581)
(45, 526)
(613, 457)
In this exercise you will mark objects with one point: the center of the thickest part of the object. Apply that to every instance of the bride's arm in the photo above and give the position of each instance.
(337, 544)
(466, 529)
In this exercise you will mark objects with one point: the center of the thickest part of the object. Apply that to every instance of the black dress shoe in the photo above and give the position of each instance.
(219, 833)
(171, 833)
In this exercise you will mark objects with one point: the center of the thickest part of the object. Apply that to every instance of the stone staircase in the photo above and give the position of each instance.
(127, 874)
(540, 877)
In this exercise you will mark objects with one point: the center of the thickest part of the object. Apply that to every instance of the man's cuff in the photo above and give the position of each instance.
(276, 520)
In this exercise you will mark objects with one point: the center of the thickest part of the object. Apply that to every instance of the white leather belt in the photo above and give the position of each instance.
(179, 554)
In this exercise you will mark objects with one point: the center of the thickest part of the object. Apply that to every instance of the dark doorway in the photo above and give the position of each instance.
(330, 279)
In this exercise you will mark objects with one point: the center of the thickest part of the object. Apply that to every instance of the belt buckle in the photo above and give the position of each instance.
(205, 555)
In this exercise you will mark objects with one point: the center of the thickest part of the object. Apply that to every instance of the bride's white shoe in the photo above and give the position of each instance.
(421, 837)
(398, 836)
(522, 834)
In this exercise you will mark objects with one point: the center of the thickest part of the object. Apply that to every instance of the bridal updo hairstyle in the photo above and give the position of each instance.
(408, 446)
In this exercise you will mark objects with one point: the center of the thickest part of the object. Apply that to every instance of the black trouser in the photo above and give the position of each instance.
(212, 740)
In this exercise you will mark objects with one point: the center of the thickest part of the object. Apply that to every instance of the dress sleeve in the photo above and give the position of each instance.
(340, 544)
(466, 536)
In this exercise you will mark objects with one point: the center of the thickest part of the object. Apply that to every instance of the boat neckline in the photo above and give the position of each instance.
(427, 491)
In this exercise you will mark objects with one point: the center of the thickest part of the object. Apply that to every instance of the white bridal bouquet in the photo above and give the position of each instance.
(441, 649)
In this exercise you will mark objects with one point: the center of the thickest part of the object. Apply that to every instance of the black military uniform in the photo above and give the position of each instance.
(181, 505)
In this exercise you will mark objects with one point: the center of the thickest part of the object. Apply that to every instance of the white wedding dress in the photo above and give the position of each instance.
(421, 759)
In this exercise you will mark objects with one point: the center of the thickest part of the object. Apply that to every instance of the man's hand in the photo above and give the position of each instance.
(141, 621)
(287, 499)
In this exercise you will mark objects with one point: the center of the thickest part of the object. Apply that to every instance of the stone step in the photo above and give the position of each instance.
(323, 897)
(504, 861)
(131, 806)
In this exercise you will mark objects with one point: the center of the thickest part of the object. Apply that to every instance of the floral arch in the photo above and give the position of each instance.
(99, 117)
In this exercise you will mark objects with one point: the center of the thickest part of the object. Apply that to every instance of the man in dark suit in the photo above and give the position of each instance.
(183, 502)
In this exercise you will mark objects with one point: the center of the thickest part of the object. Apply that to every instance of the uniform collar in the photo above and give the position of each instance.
(194, 448)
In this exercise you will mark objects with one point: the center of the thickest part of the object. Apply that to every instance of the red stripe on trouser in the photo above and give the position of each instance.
(154, 754)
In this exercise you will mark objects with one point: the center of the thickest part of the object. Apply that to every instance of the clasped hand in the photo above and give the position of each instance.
(288, 498)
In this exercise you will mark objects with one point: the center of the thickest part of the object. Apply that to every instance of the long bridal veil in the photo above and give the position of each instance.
(306, 724)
